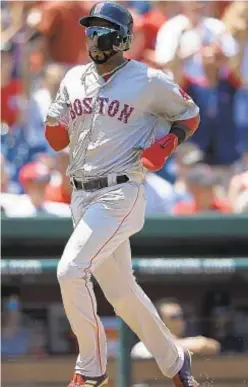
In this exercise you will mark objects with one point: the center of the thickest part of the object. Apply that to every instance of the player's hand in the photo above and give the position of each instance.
(154, 157)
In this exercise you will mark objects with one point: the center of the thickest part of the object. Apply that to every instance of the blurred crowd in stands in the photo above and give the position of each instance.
(202, 45)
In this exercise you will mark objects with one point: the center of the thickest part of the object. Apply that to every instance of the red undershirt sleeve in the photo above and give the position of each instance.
(57, 137)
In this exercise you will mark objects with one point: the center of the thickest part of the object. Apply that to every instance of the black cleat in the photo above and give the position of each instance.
(86, 381)
(184, 377)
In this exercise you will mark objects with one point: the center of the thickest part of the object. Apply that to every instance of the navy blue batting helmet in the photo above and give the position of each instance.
(114, 13)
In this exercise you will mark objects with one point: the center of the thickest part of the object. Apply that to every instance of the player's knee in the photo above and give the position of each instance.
(128, 301)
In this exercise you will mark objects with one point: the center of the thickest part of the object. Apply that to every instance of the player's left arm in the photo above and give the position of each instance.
(175, 105)
(56, 131)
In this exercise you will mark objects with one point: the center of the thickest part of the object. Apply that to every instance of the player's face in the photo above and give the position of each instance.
(97, 28)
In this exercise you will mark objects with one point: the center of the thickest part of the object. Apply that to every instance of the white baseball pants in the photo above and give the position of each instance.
(99, 246)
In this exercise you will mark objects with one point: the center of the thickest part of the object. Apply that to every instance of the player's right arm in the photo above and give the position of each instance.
(169, 101)
(55, 130)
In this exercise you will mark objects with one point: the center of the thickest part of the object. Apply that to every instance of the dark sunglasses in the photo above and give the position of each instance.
(97, 31)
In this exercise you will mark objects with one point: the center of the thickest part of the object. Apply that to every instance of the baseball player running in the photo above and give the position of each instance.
(108, 112)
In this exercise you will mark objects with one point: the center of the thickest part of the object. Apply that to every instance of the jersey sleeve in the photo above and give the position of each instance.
(170, 101)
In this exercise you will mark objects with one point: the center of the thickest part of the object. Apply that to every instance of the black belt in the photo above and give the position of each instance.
(102, 182)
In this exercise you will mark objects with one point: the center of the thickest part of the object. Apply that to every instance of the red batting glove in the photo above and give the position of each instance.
(154, 157)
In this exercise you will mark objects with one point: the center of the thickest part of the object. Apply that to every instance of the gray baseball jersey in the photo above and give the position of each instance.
(110, 121)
